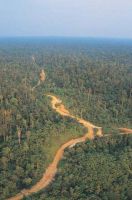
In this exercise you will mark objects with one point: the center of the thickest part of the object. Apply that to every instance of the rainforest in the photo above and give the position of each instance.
(65, 118)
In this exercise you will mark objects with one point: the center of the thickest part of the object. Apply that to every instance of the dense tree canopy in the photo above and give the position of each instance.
(92, 77)
(99, 169)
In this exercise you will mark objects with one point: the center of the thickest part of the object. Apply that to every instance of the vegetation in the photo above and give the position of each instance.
(92, 77)
(97, 170)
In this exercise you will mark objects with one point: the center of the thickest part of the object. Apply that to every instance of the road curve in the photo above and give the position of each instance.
(52, 168)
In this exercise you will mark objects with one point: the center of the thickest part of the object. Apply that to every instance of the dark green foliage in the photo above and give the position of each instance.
(93, 78)
(99, 169)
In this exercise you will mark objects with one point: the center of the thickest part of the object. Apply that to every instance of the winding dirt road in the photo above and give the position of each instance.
(50, 172)
(52, 169)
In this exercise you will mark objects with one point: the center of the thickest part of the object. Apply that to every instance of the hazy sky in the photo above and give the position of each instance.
(109, 18)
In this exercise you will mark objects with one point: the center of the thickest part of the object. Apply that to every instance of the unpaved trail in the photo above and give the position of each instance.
(60, 108)
(125, 130)
(50, 172)
(42, 75)
(42, 78)
(39, 82)
(52, 169)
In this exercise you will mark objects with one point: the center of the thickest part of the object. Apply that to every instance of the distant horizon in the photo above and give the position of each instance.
(59, 36)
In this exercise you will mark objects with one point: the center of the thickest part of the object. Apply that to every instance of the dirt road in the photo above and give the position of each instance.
(125, 130)
(52, 169)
